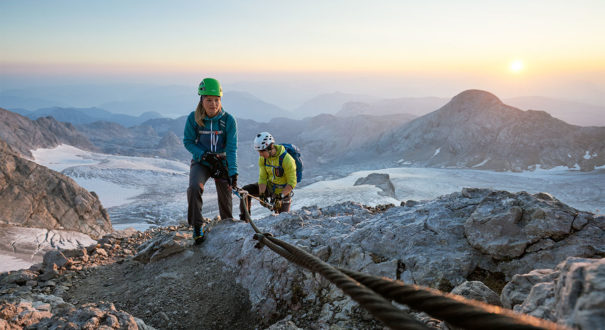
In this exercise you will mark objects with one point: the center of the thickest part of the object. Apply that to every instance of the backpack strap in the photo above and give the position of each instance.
(281, 158)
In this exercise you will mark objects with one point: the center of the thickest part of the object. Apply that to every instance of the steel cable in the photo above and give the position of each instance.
(454, 309)
(369, 291)
(381, 308)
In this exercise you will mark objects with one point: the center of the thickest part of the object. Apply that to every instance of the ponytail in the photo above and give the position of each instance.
(200, 112)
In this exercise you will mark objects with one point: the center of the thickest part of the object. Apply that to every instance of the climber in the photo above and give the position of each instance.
(277, 175)
(211, 137)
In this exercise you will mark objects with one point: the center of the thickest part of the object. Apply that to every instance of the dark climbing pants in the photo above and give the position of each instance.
(199, 173)
(253, 190)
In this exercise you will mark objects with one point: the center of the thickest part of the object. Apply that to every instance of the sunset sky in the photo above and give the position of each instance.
(401, 48)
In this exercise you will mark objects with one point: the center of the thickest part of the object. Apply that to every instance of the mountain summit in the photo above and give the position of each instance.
(473, 100)
(475, 129)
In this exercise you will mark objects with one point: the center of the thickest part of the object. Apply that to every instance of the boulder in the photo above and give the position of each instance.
(476, 290)
(162, 246)
(380, 180)
(572, 293)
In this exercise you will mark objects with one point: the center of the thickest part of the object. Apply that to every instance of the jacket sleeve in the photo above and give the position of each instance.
(231, 145)
(189, 137)
(262, 174)
(290, 170)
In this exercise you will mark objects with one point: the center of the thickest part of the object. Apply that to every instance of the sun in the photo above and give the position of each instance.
(516, 66)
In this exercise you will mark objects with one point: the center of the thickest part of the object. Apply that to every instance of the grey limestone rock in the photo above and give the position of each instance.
(573, 293)
(439, 243)
(476, 290)
(34, 196)
(380, 180)
(162, 246)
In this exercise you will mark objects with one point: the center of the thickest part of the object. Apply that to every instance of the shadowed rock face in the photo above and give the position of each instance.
(34, 196)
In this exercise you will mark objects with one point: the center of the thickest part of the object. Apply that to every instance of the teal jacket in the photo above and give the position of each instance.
(218, 135)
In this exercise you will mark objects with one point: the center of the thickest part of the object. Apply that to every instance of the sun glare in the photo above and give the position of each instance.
(516, 66)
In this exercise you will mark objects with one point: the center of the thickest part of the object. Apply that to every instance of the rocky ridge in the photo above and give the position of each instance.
(34, 196)
(445, 243)
(24, 135)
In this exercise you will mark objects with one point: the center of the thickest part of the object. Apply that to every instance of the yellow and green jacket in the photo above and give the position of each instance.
(266, 171)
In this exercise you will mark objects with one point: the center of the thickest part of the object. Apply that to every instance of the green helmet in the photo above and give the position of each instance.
(210, 86)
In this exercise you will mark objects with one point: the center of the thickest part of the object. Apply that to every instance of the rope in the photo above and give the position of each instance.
(369, 291)
(243, 192)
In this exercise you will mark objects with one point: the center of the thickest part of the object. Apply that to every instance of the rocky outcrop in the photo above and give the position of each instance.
(34, 196)
(429, 243)
(572, 293)
(440, 243)
(25, 135)
(476, 130)
(381, 181)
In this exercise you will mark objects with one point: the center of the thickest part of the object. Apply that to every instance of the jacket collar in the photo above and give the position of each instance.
(218, 116)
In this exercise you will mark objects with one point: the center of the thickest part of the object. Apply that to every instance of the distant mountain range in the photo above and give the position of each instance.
(417, 106)
(175, 100)
(575, 113)
(476, 130)
(329, 104)
(473, 130)
(87, 115)
(248, 106)
(133, 103)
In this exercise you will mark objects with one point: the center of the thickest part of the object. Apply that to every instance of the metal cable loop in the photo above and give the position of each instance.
(454, 309)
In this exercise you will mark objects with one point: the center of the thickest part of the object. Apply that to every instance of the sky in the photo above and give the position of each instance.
(381, 48)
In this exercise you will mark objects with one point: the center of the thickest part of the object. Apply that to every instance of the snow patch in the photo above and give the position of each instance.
(110, 194)
(8, 263)
(115, 179)
(62, 157)
(482, 163)
(436, 152)
(588, 155)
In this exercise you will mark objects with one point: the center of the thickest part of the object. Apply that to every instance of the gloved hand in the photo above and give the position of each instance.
(233, 180)
(263, 197)
(277, 202)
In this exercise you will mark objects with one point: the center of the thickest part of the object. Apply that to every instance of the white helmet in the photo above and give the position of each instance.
(263, 141)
